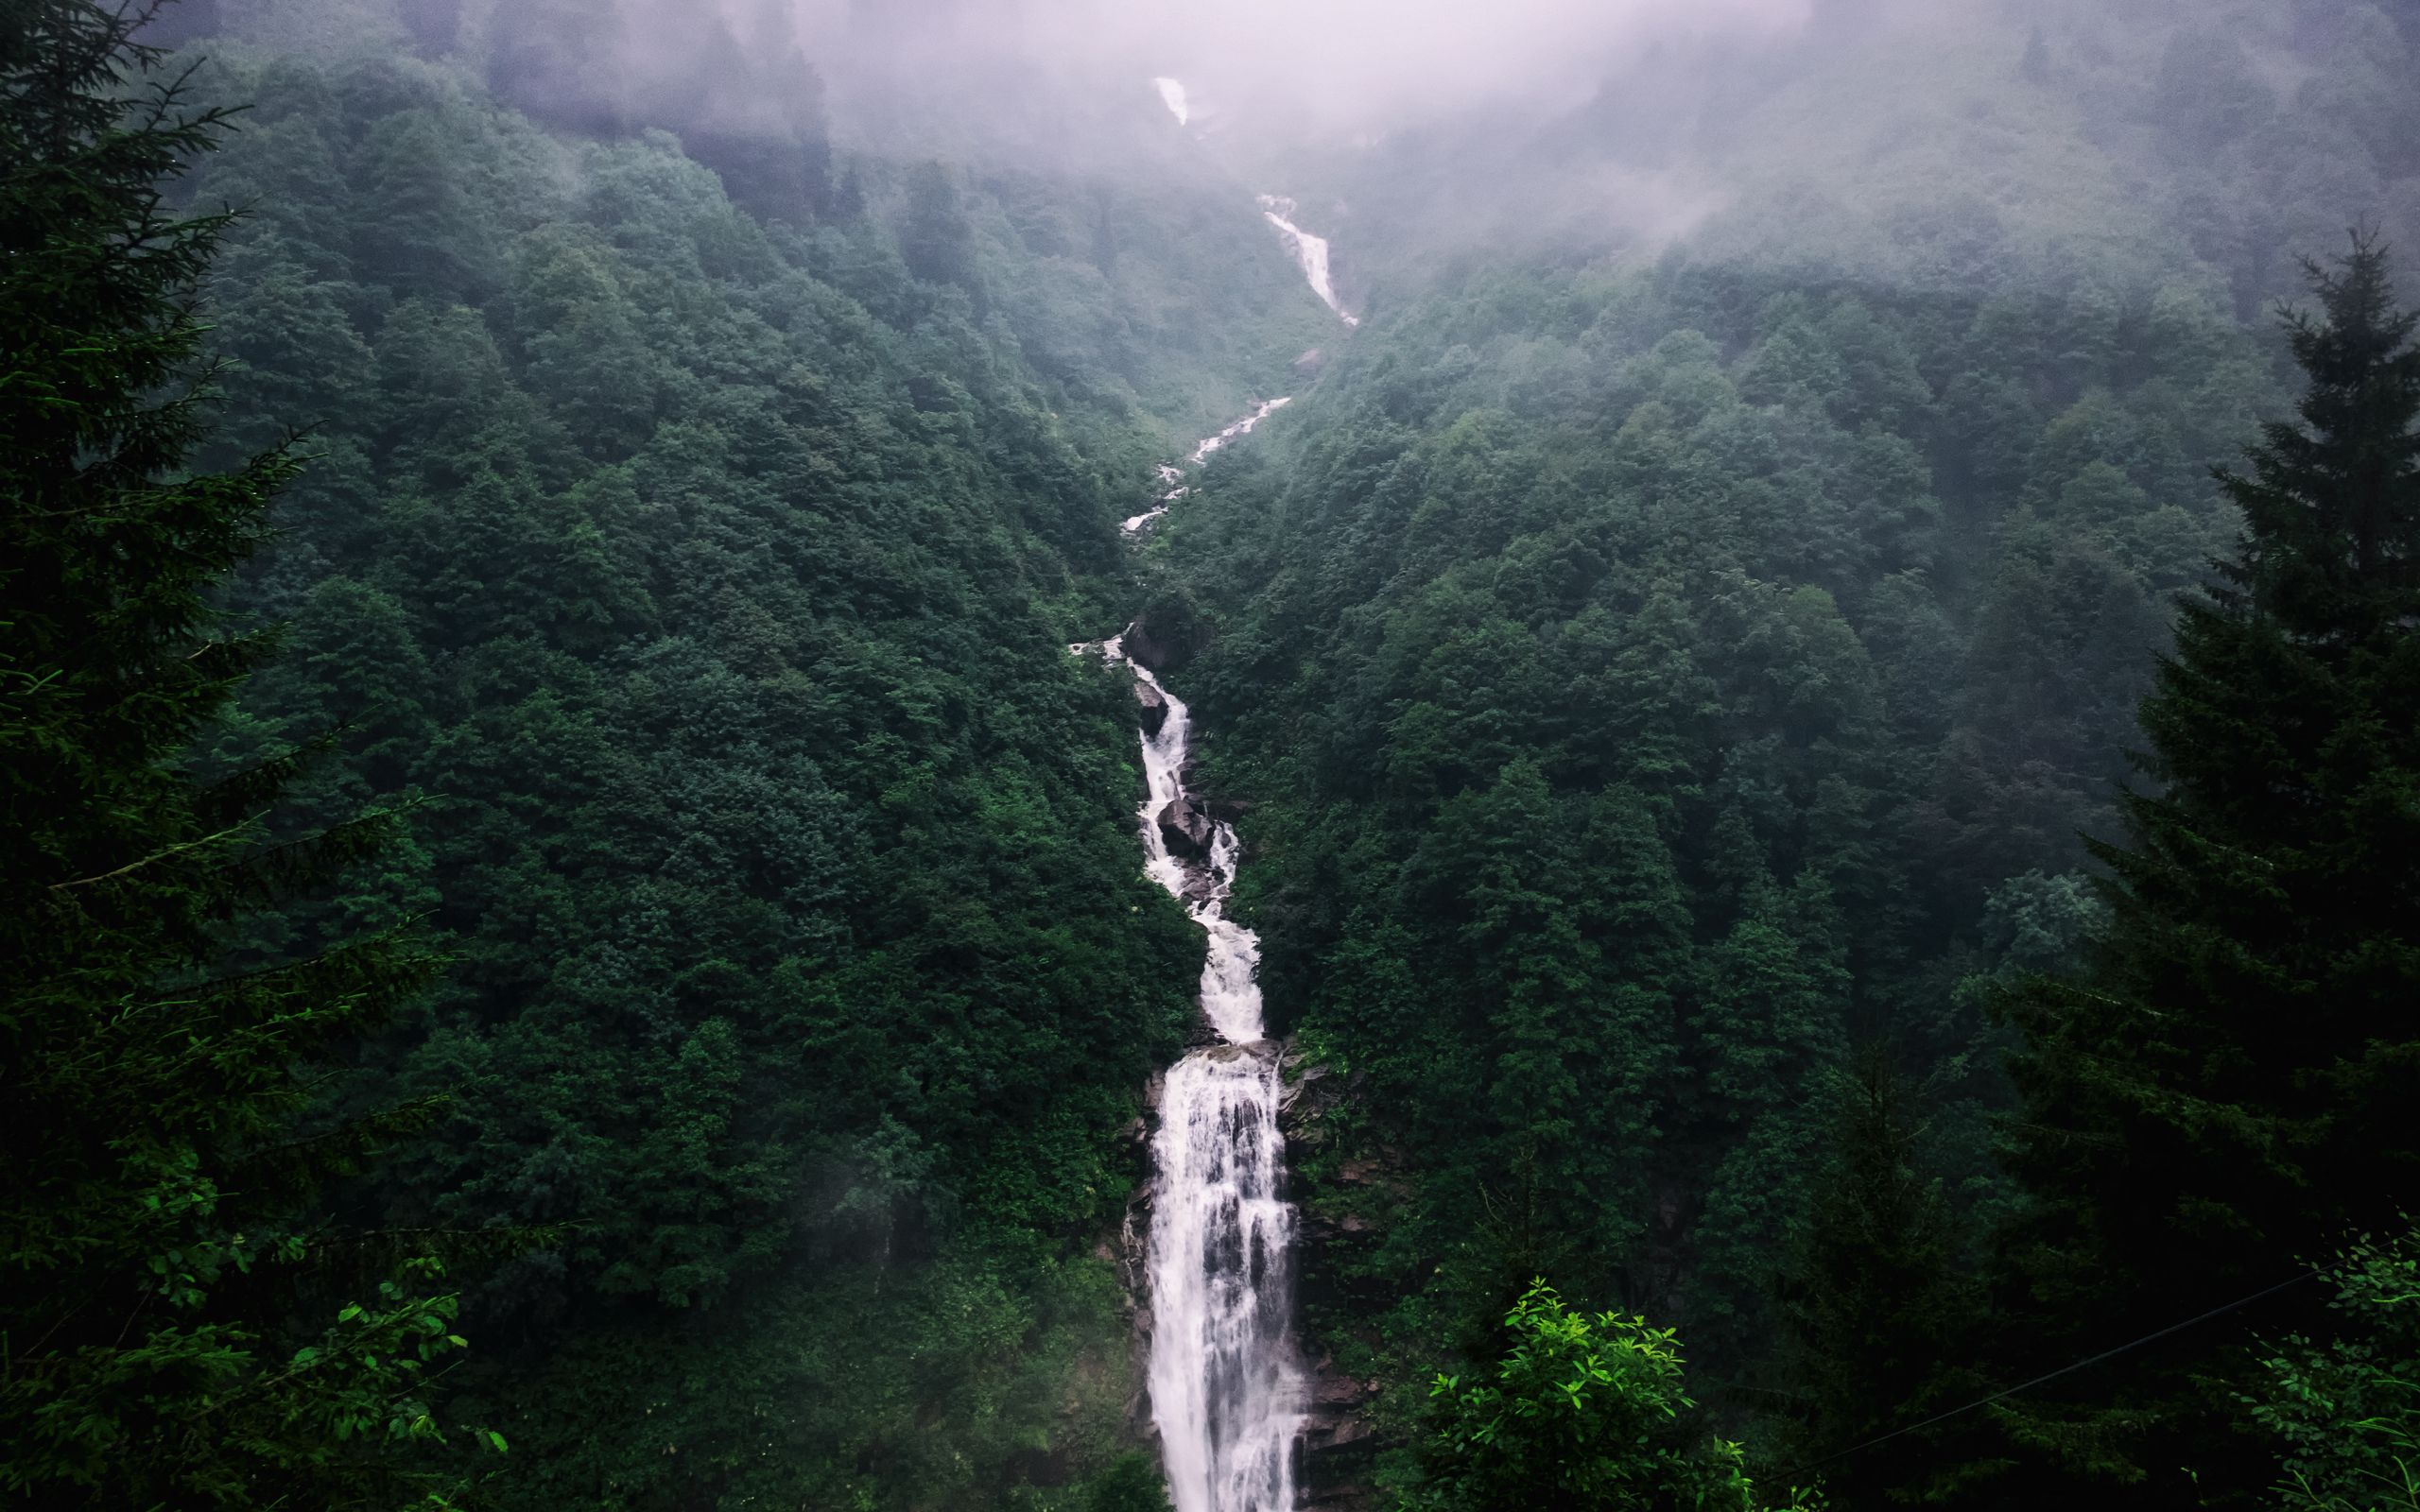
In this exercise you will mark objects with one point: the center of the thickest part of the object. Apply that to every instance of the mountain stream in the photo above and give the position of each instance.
(1227, 1387)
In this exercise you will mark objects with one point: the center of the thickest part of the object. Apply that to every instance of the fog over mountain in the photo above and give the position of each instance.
(1335, 66)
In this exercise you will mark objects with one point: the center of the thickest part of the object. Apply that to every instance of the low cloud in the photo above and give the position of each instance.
(1338, 67)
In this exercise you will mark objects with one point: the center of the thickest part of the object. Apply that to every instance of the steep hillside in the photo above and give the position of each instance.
(1657, 676)
(705, 570)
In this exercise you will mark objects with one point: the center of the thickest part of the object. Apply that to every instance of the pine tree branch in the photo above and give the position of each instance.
(160, 855)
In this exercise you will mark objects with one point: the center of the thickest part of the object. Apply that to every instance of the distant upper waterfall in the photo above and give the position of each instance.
(1172, 95)
(1309, 251)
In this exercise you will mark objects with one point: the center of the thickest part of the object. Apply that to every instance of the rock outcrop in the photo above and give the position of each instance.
(1154, 704)
(1168, 635)
(1186, 829)
(1338, 1443)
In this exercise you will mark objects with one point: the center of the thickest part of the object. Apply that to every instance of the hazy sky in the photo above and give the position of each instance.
(1379, 62)
(1348, 64)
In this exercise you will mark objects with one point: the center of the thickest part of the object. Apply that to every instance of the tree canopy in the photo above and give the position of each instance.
(175, 1309)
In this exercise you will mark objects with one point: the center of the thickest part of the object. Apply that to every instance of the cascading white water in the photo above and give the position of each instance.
(1309, 251)
(1169, 477)
(1172, 95)
(1226, 1389)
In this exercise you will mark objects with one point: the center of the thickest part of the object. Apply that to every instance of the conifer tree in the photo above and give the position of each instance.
(1876, 1312)
(2230, 1084)
(170, 1334)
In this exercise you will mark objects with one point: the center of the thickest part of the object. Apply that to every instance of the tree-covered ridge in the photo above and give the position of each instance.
(177, 1321)
(1962, 149)
(709, 574)
(1123, 270)
(1986, 146)
(1658, 679)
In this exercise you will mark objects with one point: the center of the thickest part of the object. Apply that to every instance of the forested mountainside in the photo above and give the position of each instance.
(1781, 642)
(1832, 859)
(1650, 689)
(702, 569)
(1955, 150)
(1676, 691)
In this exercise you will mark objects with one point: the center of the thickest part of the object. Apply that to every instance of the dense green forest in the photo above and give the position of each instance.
(711, 578)
(1686, 697)
(699, 580)
(1833, 857)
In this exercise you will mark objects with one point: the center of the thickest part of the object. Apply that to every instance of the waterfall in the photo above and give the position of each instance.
(1227, 1392)
(1172, 478)
(1309, 251)
(1226, 1389)
(1172, 95)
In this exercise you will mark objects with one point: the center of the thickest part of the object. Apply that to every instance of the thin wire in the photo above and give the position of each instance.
(2091, 1359)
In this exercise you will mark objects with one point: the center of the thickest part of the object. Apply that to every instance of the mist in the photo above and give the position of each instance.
(1338, 68)
(1854, 133)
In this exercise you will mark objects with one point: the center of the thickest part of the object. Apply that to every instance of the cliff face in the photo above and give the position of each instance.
(1336, 1197)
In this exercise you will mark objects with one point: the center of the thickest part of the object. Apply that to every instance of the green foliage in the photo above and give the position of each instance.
(2346, 1414)
(2221, 1085)
(1653, 680)
(705, 575)
(1582, 1412)
(1132, 1483)
(174, 1332)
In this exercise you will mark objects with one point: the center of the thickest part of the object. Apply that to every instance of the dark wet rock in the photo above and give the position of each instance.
(1339, 1445)
(1155, 706)
(1342, 1212)
(1168, 635)
(1257, 1050)
(1303, 1078)
(1186, 829)
(1313, 1091)
(1146, 649)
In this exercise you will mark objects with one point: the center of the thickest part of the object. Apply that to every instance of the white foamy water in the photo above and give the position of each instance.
(1172, 95)
(1172, 478)
(1227, 1387)
(1309, 251)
